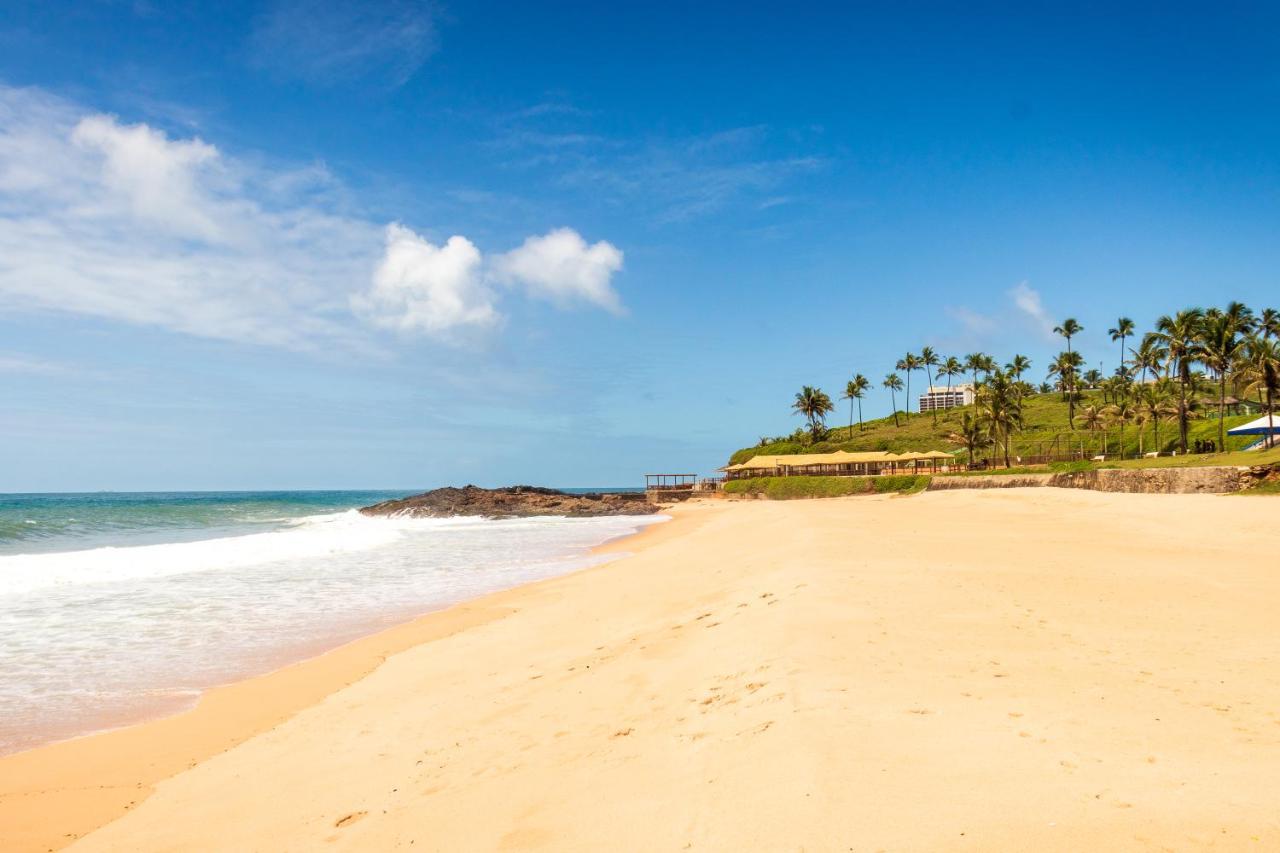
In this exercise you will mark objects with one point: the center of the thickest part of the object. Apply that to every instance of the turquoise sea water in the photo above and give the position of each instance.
(39, 523)
(115, 607)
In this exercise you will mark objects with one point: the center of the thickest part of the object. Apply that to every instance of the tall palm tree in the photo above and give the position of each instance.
(975, 361)
(1017, 366)
(894, 383)
(1179, 335)
(853, 390)
(907, 364)
(1219, 346)
(814, 404)
(929, 360)
(972, 434)
(1001, 406)
(949, 368)
(1069, 329)
(1123, 328)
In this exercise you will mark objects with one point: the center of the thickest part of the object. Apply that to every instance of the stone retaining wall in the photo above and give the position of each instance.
(1149, 481)
(1158, 481)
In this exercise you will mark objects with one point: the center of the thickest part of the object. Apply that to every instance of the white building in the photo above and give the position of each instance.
(941, 397)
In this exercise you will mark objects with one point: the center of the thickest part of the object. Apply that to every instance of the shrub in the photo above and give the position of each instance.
(789, 488)
(1071, 467)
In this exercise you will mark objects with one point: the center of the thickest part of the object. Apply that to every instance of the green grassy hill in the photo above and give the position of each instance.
(1046, 423)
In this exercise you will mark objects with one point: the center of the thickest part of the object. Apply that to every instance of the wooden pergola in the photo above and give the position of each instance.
(669, 482)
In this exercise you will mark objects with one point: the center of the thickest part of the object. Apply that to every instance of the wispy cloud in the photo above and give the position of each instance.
(332, 41)
(1027, 300)
(672, 179)
(971, 322)
(677, 185)
(26, 365)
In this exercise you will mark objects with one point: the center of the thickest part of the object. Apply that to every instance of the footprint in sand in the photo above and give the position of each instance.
(349, 819)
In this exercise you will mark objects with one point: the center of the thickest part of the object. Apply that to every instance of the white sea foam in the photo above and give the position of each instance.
(107, 633)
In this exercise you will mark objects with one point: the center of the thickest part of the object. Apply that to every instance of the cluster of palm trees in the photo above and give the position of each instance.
(1160, 380)
(927, 360)
(1156, 381)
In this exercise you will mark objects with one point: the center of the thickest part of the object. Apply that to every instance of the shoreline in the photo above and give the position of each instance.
(962, 670)
(79, 780)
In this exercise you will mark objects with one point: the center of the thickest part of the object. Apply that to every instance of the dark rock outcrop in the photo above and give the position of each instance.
(512, 502)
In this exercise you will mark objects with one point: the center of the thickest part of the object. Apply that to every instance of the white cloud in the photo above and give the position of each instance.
(119, 221)
(158, 178)
(1027, 299)
(420, 287)
(102, 218)
(560, 267)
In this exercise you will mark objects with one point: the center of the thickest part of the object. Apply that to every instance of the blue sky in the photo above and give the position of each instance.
(290, 245)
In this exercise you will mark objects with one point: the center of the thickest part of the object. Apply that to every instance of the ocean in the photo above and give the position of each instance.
(119, 606)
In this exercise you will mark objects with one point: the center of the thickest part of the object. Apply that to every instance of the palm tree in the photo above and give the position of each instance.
(1178, 335)
(950, 367)
(928, 360)
(1262, 358)
(814, 404)
(1149, 355)
(1001, 406)
(975, 361)
(853, 390)
(1219, 347)
(1065, 367)
(906, 364)
(1269, 323)
(894, 383)
(1153, 402)
(1121, 412)
(972, 434)
(1019, 365)
(1123, 328)
(1069, 329)
(1091, 417)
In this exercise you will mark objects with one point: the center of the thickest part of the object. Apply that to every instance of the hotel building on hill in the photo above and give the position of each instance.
(941, 398)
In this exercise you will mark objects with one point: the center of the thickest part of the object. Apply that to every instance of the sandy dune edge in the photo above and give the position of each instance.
(1024, 669)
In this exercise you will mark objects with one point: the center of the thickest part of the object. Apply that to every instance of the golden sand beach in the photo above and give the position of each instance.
(1016, 669)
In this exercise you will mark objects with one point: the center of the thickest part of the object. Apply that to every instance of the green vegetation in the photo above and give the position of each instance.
(1181, 388)
(1043, 431)
(791, 488)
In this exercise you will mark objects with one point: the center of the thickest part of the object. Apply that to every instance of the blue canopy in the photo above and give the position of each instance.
(1265, 425)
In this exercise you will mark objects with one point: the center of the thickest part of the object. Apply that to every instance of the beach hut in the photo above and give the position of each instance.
(839, 463)
(1268, 425)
